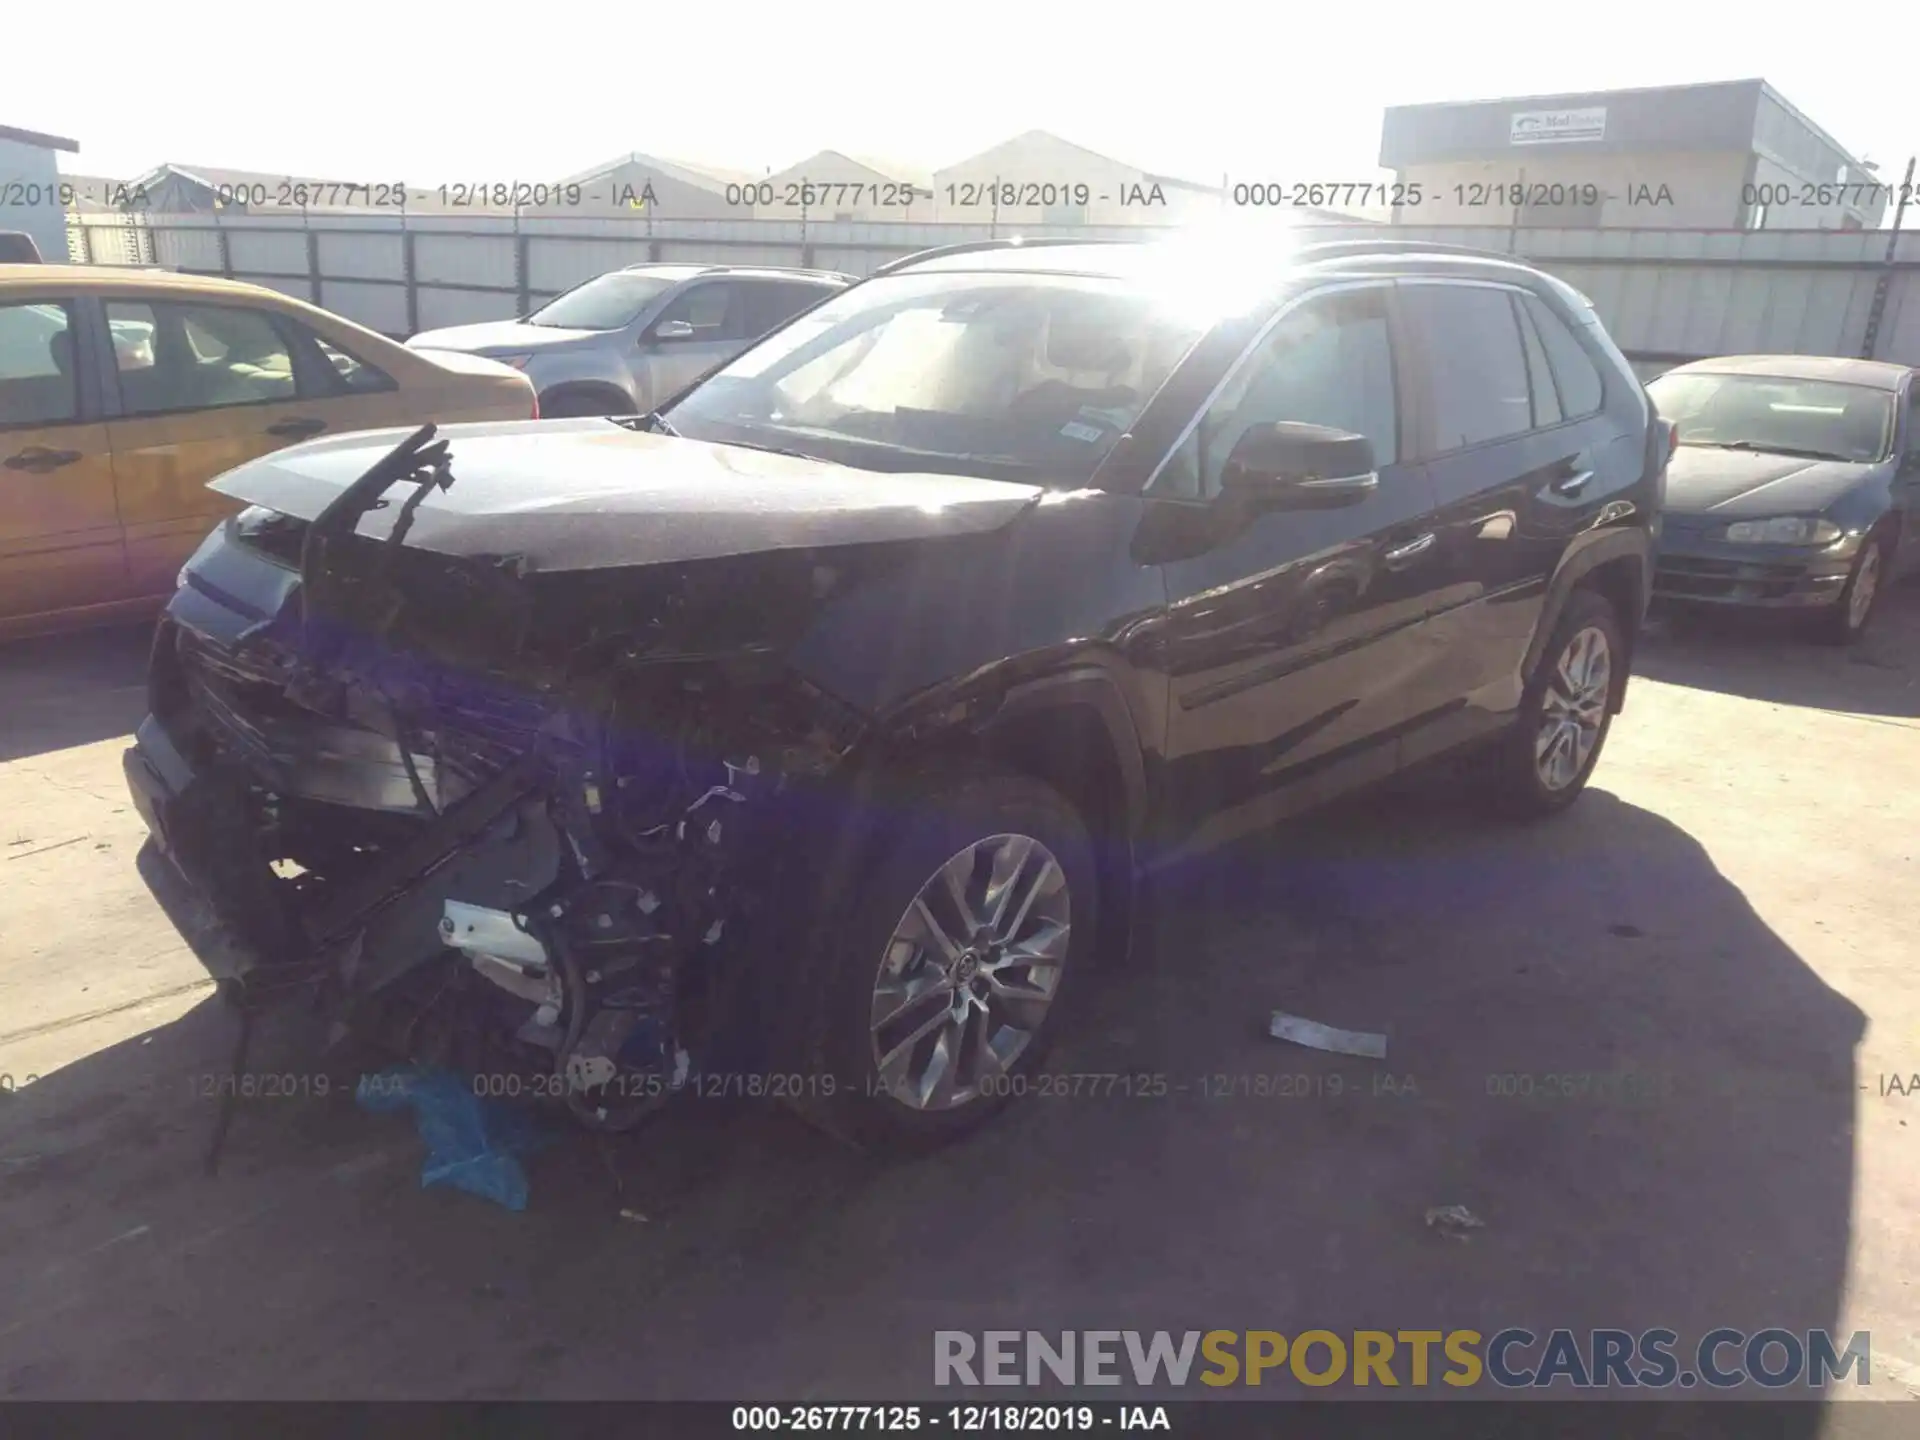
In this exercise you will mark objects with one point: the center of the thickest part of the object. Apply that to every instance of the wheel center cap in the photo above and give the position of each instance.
(965, 968)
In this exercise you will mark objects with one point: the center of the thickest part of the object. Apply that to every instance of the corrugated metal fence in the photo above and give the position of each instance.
(1667, 295)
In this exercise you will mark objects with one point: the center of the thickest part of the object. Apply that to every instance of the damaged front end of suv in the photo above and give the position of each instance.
(516, 785)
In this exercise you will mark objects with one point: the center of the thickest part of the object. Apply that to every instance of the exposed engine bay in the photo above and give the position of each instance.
(512, 822)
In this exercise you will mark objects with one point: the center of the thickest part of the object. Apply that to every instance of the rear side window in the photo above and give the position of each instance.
(1546, 400)
(357, 376)
(37, 374)
(1574, 374)
(1477, 368)
(173, 357)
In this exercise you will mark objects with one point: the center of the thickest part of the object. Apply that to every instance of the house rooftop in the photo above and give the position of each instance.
(39, 138)
(703, 176)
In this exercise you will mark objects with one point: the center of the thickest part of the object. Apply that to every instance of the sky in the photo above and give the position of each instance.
(361, 92)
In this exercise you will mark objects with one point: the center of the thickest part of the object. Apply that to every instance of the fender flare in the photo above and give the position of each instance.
(1601, 548)
(1091, 688)
(600, 389)
(846, 857)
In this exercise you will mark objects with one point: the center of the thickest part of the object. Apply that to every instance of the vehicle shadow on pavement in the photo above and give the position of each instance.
(1644, 1093)
(1762, 657)
(65, 690)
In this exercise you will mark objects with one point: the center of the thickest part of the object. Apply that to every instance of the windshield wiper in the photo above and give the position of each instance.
(769, 449)
(913, 452)
(652, 423)
(420, 461)
(1754, 447)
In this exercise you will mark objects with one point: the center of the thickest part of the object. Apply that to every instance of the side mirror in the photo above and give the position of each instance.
(671, 330)
(1287, 465)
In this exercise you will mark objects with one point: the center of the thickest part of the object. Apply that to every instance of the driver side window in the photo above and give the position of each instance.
(706, 308)
(1328, 362)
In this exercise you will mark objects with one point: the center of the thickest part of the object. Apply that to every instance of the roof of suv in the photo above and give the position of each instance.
(1120, 259)
(1087, 258)
(759, 272)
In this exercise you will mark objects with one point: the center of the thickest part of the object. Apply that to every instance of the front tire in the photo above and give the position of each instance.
(1847, 621)
(577, 404)
(1565, 712)
(942, 987)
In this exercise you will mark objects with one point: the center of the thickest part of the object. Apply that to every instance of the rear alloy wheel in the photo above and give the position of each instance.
(1847, 621)
(940, 987)
(1565, 713)
(1573, 709)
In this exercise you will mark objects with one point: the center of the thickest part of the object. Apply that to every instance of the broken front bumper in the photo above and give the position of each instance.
(158, 776)
(173, 798)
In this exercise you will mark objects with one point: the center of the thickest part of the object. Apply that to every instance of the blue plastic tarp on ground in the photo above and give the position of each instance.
(473, 1142)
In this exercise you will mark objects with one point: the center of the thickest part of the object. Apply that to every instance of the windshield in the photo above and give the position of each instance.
(1017, 375)
(609, 302)
(1821, 419)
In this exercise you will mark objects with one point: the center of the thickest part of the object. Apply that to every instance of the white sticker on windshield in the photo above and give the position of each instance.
(1074, 430)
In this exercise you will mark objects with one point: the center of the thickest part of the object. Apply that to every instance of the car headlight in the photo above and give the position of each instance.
(1783, 530)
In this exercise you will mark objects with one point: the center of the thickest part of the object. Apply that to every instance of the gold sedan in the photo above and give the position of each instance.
(123, 392)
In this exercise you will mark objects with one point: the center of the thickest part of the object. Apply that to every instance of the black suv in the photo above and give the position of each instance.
(835, 714)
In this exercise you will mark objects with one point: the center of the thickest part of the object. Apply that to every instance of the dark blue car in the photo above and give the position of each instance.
(1795, 481)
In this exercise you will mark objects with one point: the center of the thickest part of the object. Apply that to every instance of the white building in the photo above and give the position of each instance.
(1733, 155)
(31, 194)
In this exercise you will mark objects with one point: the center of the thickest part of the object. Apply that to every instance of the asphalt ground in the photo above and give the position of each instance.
(1720, 937)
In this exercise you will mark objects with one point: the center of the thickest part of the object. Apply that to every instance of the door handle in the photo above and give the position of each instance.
(1402, 555)
(295, 429)
(38, 459)
(1572, 484)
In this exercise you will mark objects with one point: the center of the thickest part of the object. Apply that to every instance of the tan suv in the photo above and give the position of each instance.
(122, 392)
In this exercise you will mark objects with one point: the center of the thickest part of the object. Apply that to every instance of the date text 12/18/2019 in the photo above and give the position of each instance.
(959, 1419)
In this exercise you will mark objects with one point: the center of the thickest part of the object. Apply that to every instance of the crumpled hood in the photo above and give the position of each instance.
(1730, 484)
(589, 494)
(506, 336)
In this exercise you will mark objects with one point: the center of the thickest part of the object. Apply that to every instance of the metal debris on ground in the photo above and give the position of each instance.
(1315, 1036)
(633, 1215)
(1453, 1221)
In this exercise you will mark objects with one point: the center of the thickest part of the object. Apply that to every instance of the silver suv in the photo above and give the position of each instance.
(625, 341)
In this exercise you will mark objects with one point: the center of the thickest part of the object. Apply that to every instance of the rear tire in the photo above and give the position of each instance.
(1566, 710)
(908, 994)
(1846, 622)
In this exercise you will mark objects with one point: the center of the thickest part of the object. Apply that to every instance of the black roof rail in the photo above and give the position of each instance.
(1010, 242)
(726, 268)
(1334, 249)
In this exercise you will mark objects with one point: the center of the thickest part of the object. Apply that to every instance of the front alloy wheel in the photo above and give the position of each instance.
(970, 972)
(1573, 709)
(940, 980)
(1847, 621)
